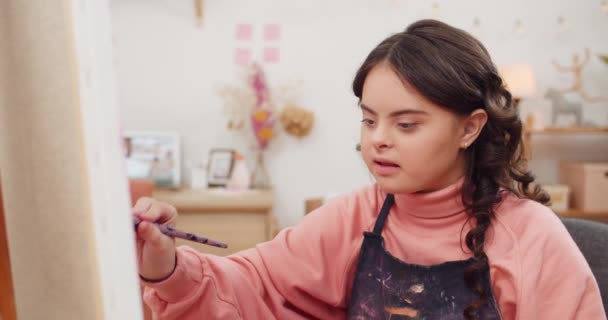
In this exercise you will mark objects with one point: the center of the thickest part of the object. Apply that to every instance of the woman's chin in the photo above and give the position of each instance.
(390, 185)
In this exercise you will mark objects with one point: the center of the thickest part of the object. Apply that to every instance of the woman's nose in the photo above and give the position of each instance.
(381, 138)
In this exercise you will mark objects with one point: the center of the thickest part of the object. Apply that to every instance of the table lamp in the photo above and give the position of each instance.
(520, 81)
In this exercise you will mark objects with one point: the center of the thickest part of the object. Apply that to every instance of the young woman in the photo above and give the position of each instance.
(450, 230)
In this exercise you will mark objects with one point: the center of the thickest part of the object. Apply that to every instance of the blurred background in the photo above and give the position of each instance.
(175, 61)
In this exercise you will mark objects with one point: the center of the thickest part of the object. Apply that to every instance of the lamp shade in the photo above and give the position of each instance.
(519, 79)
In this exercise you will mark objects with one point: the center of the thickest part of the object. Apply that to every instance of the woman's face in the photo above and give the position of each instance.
(408, 143)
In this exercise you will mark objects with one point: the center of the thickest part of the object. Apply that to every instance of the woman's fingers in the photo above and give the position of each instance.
(149, 233)
(151, 210)
(142, 205)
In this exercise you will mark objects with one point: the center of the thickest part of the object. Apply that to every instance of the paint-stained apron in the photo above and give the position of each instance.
(388, 288)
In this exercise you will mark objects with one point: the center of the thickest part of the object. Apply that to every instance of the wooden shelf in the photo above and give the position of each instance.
(217, 200)
(527, 134)
(241, 219)
(570, 130)
(601, 216)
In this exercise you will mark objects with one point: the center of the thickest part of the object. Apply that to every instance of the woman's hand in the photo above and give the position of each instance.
(155, 251)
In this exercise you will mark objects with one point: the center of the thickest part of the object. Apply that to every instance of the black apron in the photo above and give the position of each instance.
(388, 288)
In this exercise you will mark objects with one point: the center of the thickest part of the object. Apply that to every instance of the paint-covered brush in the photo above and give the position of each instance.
(172, 232)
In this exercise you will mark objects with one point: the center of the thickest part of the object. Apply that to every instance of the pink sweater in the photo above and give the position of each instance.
(306, 272)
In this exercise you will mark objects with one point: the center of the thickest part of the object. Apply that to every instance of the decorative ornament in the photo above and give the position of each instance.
(561, 106)
(476, 22)
(262, 118)
(519, 26)
(297, 121)
(199, 6)
(576, 68)
(435, 9)
(252, 107)
(562, 24)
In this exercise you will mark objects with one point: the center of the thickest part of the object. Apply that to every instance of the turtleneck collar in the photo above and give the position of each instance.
(438, 204)
(430, 214)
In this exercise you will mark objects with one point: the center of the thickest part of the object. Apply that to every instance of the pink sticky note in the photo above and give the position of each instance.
(272, 32)
(244, 31)
(242, 56)
(271, 55)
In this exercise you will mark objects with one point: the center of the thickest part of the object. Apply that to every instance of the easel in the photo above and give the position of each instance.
(7, 299)
(65, 197)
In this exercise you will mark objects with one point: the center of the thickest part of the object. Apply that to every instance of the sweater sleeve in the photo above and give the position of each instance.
(556, 282)
(303, 273)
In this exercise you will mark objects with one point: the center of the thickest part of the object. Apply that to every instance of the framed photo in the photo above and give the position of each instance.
(220, 166)
(153, 155)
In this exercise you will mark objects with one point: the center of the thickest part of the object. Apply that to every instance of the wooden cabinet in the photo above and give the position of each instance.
(601, 216)
(240, 219)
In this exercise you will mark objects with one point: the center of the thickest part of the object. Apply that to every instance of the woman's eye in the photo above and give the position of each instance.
(407, 125)
(368, 122)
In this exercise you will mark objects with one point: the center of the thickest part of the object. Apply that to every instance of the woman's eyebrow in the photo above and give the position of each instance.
(394, 113)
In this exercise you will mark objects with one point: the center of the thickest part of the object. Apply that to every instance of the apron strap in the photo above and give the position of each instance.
(386, 207)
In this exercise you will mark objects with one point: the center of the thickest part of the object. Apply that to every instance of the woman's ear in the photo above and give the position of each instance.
(472, 125)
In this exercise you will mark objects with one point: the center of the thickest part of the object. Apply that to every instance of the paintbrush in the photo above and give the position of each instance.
(172, 232)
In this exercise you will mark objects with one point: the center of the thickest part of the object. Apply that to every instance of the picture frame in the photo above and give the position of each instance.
(153, 155)
(220, 165)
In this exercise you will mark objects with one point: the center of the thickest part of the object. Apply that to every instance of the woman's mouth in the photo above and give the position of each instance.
(383, 167)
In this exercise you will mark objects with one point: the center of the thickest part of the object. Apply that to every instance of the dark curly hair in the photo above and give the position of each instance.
(452, 69)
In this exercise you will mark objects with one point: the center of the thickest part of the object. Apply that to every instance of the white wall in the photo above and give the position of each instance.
(169, 71)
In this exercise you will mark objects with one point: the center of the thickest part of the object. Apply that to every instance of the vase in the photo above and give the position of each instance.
(260, 179)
